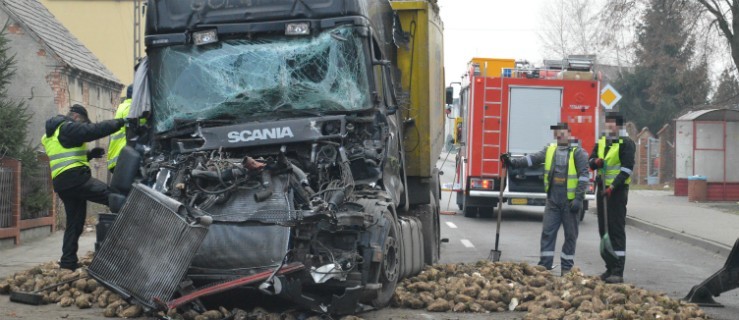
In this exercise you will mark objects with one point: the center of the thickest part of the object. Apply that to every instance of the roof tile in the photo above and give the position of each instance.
(41, 22)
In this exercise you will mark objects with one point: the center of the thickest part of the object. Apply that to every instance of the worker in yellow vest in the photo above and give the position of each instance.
(118, 139)
(614, 153)
(65, 142)
(565, 182)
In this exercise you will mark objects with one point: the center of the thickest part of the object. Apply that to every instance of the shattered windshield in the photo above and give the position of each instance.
(238, 79)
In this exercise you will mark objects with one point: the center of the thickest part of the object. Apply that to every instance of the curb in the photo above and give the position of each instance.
(709, 245)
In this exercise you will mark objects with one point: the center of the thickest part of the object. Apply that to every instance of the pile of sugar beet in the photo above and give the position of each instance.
(480, 287)
(87, 293)
(506, 286)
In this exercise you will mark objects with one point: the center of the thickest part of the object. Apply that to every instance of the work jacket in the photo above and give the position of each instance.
(118, 139)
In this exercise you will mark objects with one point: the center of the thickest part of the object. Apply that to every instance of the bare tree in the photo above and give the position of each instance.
(726, 18)
(554, 36)
(587, 27)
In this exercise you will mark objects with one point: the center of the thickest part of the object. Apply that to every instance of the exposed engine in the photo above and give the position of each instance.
(316, 203)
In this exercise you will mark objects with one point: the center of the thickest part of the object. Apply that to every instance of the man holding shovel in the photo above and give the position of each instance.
(613, 157)
(565, 181)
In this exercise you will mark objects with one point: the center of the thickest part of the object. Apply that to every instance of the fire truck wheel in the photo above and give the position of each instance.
(469, 212)
(583, 210)
(460, 200)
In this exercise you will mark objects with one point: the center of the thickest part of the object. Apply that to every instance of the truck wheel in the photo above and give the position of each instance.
(460, 200)
(429, 216)
(489, 210)
(584, 208)
(469, 212)
(582, 214)
(390, 265)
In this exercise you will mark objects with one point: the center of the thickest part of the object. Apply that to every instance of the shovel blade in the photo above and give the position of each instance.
(606, 250)
(27, 298)
(494, 255)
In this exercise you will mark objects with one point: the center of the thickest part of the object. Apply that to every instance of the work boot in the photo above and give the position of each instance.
(617, 272)
(565, 272)
(605, 275)
(614, 279)
(72, 267)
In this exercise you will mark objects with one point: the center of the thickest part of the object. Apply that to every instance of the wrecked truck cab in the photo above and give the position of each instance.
(273, 126)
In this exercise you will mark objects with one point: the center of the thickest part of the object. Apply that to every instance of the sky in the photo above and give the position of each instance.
(490, 29)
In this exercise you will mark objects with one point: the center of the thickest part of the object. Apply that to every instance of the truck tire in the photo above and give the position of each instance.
(583, 210)
(460, 200)
(389, 268)
(429, 216)
(489, 210)
(469, 212)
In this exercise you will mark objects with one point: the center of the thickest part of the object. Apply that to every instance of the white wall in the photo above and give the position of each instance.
(683, 149)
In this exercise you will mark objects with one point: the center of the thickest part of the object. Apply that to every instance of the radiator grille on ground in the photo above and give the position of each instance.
(148, 249)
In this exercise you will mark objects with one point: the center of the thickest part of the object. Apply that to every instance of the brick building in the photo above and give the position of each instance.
(55, 70)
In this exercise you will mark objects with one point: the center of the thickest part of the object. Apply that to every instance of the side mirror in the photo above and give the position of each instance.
(449, 95)
(392, 110)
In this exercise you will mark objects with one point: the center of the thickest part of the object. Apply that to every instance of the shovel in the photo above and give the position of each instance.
(495, 253)
(606, 247)
(36, 298)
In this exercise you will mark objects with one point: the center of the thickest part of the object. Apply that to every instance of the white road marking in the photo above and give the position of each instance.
(467, 243)
(451, 225)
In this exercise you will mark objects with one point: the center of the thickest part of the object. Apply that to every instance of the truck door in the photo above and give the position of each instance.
(532, 111)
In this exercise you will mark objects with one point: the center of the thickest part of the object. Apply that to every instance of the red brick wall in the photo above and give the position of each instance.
(57, 80)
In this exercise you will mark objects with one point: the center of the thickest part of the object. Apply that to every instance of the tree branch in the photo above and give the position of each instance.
(723, 25)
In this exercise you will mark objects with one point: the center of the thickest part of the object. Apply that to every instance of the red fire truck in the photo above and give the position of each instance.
(508, 106)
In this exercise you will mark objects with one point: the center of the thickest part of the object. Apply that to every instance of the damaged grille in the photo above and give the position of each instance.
(234, 246)
(148, 249)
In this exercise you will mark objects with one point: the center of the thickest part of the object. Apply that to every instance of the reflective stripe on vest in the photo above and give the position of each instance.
(60, 158)
(572, 178)
(118, 139)
(611, 161)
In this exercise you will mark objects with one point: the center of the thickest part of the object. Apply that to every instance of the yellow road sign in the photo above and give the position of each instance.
(609, 97)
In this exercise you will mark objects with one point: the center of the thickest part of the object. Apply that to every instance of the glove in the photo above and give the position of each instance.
(596, 163)
(505, 159)
(95, 153)
(607, 193)
(576, 206)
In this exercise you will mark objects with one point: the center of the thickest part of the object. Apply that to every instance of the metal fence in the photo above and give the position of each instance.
(6, 198)
(25, 204)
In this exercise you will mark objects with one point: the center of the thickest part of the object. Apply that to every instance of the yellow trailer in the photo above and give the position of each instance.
(421, 62)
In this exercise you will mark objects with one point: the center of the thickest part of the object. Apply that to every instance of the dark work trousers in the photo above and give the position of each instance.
(75, 205)
(558, 213)
(616, 225)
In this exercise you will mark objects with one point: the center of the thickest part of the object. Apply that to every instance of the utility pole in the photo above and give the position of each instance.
(138, 11)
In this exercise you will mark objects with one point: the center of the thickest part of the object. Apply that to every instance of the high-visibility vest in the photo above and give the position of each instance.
(572, 178)
(611, 161)
(60, 158)
(118, 139)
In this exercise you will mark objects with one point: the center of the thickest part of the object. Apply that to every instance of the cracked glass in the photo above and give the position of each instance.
(242, 78)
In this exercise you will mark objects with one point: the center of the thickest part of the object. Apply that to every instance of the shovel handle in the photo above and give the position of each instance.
(503, 178)
(59, 284)
(604, 197)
